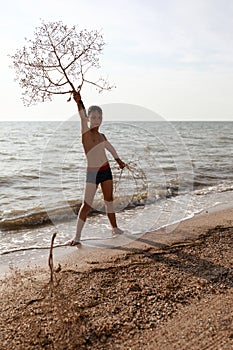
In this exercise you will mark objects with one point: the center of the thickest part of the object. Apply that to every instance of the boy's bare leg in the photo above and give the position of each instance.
(107, 189)
(89, 193)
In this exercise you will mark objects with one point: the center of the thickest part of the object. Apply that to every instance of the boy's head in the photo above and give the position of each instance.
(95, 116)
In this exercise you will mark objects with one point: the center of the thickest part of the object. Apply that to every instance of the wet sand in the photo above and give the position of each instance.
(170, 289)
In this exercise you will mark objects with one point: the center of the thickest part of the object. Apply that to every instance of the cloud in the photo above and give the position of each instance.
(180, 32)
(166, 48)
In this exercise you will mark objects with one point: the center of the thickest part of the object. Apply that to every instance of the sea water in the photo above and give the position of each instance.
(175, 170)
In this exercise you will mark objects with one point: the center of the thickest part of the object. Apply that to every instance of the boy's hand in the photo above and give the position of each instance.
(77, 96)
(121, 164)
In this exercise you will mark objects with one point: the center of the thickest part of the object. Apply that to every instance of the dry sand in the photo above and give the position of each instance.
(164, 291)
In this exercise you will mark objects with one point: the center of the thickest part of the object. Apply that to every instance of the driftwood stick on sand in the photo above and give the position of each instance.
(51, 261)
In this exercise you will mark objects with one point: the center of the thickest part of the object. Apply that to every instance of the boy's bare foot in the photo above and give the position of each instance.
(74, 243)
(117, 231)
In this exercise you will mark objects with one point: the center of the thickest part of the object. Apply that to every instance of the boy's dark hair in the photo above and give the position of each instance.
(94, 109)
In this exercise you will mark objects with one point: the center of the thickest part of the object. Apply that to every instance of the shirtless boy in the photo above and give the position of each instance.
(98, 168)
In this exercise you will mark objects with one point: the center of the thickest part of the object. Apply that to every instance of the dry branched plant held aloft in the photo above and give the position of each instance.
(57, 61)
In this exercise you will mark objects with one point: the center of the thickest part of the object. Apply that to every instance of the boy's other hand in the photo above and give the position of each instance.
(121, 164)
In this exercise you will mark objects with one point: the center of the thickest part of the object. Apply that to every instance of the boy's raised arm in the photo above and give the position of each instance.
(82, 112)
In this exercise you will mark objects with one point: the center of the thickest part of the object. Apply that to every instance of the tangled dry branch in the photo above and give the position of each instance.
(57, 61)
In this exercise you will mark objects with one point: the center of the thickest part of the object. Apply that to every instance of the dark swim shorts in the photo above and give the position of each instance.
(98, 175)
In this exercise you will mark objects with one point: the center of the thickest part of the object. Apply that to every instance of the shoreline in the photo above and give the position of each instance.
(184, 232)
(167, 290)
(165, 235)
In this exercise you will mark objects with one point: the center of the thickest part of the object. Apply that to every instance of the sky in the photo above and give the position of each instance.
(174, 57)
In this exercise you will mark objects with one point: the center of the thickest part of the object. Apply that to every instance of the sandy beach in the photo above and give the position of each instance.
(163, 291)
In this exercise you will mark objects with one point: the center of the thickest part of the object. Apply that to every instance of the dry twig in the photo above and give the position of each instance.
(51, 262)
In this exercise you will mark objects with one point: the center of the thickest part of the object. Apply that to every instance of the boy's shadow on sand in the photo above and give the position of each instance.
(185, 262)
